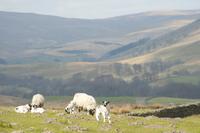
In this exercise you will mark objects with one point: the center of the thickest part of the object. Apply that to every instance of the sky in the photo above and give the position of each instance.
(95, 8)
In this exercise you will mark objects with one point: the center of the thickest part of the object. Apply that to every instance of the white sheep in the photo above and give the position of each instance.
(37, 101)
(102, 110)
(23, 108)
(37, 110)
(82, 101)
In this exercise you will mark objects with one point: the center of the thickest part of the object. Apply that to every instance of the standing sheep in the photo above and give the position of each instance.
(104, 111)
(82, 101)
(37, 101)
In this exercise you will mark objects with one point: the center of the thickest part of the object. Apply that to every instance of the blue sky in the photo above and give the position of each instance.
(95, 8)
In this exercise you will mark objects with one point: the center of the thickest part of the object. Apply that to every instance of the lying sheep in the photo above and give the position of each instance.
(37, 110)
(82, 101)
(37, 101)
(23, 108)
(102, 110)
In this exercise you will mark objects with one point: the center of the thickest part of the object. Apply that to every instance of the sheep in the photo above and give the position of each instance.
(102, 110)
(82, 101)
(23, 108)
(37, 101)
(71, 107)
(107, 105)
(37, 110)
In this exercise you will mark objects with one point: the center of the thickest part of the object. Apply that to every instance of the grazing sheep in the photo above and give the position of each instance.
(37, 110)
(71, 107)
(37, 101)
(102, 110)
(23, 108)
(82, 101)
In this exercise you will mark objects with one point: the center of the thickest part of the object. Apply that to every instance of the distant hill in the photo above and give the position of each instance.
(182, 44)
(147, 54)
(27, 37)
(144, 45)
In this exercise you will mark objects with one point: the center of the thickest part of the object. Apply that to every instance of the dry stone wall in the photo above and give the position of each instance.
(172, 112)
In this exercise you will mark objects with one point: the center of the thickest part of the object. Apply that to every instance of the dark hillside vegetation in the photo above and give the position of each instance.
(145, 82)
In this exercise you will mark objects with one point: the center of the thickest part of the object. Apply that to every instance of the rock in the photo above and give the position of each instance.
(30, 129)
(117, 130)
(154, 126)
(76, 128)
(106, 127)
(47, 132)
(19, 131)
(60, 114)
(150, 117)
(137, 123)
(50, 120)
(13, 124)
(174, 131)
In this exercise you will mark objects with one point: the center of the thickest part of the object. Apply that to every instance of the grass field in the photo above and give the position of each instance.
(186, 79)
(57, 121)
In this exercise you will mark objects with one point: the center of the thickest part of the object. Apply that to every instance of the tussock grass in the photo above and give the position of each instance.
(127, 108)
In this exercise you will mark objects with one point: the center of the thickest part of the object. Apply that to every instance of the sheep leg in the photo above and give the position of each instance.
(104, 117)
(109, 119)
(97, 116)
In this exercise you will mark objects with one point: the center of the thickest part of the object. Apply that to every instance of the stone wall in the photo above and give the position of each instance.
(172, 112)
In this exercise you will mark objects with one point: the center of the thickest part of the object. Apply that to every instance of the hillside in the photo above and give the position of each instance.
(182, 44)
(148, 61)
(39, 38)
(185, 34)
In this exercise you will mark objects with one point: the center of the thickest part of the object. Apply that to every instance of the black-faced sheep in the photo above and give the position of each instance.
(82, 101)
(37, 101)
(104, 111)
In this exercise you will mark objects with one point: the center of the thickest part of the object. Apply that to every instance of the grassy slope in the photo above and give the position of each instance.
(57, 121)
(185, 79)
(185, 49)
(48, 70)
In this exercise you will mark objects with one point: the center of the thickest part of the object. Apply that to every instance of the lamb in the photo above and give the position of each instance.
(37, 110)
(37, 101)
(102, 110)
(82, 101)
(23, 108)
